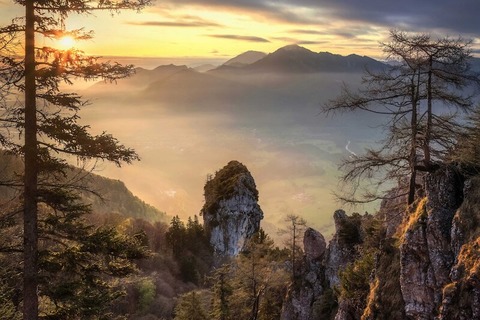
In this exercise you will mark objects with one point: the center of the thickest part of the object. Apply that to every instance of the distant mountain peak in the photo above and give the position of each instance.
(294, 47)
(245, 58)
(170, 67)
(297, 59)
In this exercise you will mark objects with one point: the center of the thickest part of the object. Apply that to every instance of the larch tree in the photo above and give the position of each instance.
(190, 307)
(257, 276)
(295, 228)
(424, 91)
(222, 291)
(39, 123)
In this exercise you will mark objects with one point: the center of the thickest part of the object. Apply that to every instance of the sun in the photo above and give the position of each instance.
(66, 42)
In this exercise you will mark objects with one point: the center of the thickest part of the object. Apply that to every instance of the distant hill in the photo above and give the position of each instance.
(245, 58)
(291, 76)
(204, 67)
(141, 77)
(239, 62)
(116, 198)
(172, 82)
(190, 86)
(297, 59)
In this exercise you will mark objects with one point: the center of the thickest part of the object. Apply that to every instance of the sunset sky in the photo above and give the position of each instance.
(225, 28)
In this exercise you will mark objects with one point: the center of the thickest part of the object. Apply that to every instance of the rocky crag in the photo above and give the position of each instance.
(425, 265)
(231, 213)
(302, 295)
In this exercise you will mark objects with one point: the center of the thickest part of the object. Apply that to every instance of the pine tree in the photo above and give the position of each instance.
(55, 233)
(190, 307)
(257, 278)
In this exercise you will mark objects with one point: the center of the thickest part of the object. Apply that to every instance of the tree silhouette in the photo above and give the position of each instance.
(46, 120)
(294, 230)
(423, 93)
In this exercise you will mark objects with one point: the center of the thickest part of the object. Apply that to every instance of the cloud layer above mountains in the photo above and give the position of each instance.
(451, 16)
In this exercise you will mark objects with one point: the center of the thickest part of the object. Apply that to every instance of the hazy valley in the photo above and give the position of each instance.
(186, 124)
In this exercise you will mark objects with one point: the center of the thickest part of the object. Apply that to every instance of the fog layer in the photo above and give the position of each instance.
(186, 125)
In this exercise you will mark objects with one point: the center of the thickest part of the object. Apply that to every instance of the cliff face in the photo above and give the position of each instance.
(341, 249)
(461, 296)
(302, 295)
(426, 253)
(426, 267)
(312, 294)
(231, 213)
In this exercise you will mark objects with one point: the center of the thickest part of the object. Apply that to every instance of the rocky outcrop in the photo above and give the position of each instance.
(341, 249)
(314, 245)
(426, 267)
(461, 297)
(392, 210)
(426, 255)
(385, 300)
(311, 296)
(231, 213)
(302, 294)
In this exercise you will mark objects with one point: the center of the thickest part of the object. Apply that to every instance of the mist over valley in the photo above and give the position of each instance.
(187, 124)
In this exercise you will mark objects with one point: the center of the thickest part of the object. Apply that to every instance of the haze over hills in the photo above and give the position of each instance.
(297, 59)
(245, 58)
(186, 124)
(294, 58)
(111, 197)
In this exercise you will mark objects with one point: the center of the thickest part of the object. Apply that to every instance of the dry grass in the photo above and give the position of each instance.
(469, 257)
(385, 299)
(468, 215)
(414, 218)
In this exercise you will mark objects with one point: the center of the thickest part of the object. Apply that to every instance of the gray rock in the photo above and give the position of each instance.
(231, 213)
(314, 244)
(301, 296)
(392, 210)
(426, 255)
(339, 253)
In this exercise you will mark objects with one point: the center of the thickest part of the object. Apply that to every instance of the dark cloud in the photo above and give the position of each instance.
(344, 33)
(309, 42)
(298, 41)
(191, 22)
(451, 16)
(269, 9)
(305, 31)
(237, 37)
(173, 24)
(476, 52)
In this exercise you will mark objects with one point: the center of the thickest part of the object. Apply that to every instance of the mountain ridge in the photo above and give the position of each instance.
(295, 59)
(106, 196)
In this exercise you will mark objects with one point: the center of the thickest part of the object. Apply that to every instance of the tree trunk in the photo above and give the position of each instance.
(30, 235)
(294, 241)
(428, 129)
(413, 145)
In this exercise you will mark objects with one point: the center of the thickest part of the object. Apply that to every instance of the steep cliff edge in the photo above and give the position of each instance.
(303, 293)
(461, 297)
(313, 294)
(426, 255)
(426, 267)
(231, 213)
